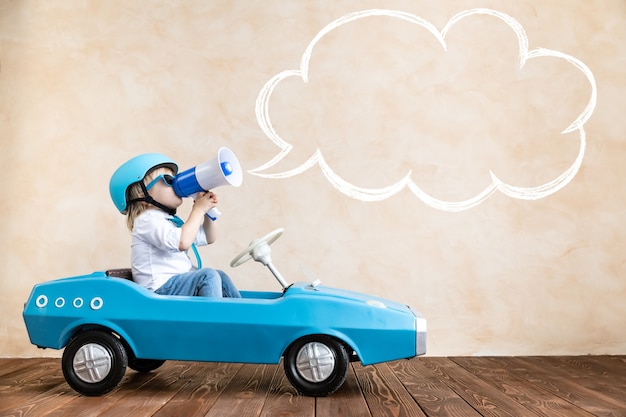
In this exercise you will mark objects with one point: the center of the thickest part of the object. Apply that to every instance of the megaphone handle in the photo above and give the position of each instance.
(213, 214)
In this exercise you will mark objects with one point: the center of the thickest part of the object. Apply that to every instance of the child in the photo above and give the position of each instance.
(142, 190)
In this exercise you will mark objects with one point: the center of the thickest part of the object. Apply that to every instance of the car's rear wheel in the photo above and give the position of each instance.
(94, 362)
(316, 365)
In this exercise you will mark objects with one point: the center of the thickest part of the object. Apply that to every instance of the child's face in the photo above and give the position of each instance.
(164, 194)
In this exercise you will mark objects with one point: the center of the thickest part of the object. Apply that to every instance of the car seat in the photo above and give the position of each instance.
(125, 273)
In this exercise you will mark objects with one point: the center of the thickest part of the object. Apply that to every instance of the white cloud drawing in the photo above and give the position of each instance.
(377, 194)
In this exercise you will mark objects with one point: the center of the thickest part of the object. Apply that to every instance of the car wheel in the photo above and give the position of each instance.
(144, 365)
(94, 362)
(316, 365)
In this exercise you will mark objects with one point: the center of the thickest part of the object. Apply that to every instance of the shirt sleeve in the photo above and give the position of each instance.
(201, 238)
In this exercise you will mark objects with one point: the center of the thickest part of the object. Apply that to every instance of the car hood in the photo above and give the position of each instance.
(320, 290)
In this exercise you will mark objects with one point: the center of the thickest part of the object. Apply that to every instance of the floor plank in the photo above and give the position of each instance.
(594, 373)
(430, 391)
(283, 400)
(202, 387)
(246, 393)
(12, 366)
(29, 390)
(384, 393)
(484, 398)
(347, 401)
(534, 398)
(572, 386)
(137, 390)
(575, 390)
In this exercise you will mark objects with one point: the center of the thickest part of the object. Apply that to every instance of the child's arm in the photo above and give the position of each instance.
(197, 218)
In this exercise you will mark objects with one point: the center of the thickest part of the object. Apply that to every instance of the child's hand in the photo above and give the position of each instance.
(205, 201)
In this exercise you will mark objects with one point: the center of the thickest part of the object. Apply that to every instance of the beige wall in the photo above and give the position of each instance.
(85, 85)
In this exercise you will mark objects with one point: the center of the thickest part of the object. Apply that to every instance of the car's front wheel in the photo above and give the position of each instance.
(316, 365)
(94, 362)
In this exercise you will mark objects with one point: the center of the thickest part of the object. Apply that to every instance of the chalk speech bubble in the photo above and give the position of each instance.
(378, 194)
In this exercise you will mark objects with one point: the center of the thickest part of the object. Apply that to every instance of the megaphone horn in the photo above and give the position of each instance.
(221, 170)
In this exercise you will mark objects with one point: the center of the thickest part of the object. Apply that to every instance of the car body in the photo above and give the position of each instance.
(142, 329)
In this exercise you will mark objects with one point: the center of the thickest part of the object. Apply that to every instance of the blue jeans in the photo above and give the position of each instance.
(204, 282)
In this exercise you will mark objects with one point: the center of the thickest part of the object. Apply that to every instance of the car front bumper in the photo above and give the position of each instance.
(420, 334)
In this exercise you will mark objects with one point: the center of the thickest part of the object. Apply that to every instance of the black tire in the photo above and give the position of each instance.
(316, 365)
(143, 365)
(94, 362)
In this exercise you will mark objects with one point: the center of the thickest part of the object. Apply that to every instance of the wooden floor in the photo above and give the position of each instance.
(426, 386)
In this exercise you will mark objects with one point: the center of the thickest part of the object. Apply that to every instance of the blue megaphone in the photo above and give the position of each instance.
(222, 170)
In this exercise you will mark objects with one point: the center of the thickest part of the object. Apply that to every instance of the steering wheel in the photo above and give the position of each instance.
(258, 249)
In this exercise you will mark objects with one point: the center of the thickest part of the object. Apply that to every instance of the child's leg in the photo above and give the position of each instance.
(228, 288)
(204, 282)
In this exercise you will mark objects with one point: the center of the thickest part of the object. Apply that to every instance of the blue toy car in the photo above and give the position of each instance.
(107, 323)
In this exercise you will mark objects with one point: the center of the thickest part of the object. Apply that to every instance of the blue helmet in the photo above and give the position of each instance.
(132, 171)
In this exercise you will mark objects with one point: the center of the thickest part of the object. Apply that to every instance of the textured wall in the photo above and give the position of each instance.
(442, 178)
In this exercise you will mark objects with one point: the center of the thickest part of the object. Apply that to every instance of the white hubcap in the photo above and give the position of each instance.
(92, 363)
(315, 362)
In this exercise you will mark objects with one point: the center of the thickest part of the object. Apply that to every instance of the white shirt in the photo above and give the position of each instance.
(155, 256)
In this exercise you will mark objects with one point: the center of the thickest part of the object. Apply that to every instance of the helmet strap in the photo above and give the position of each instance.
(148, 199)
